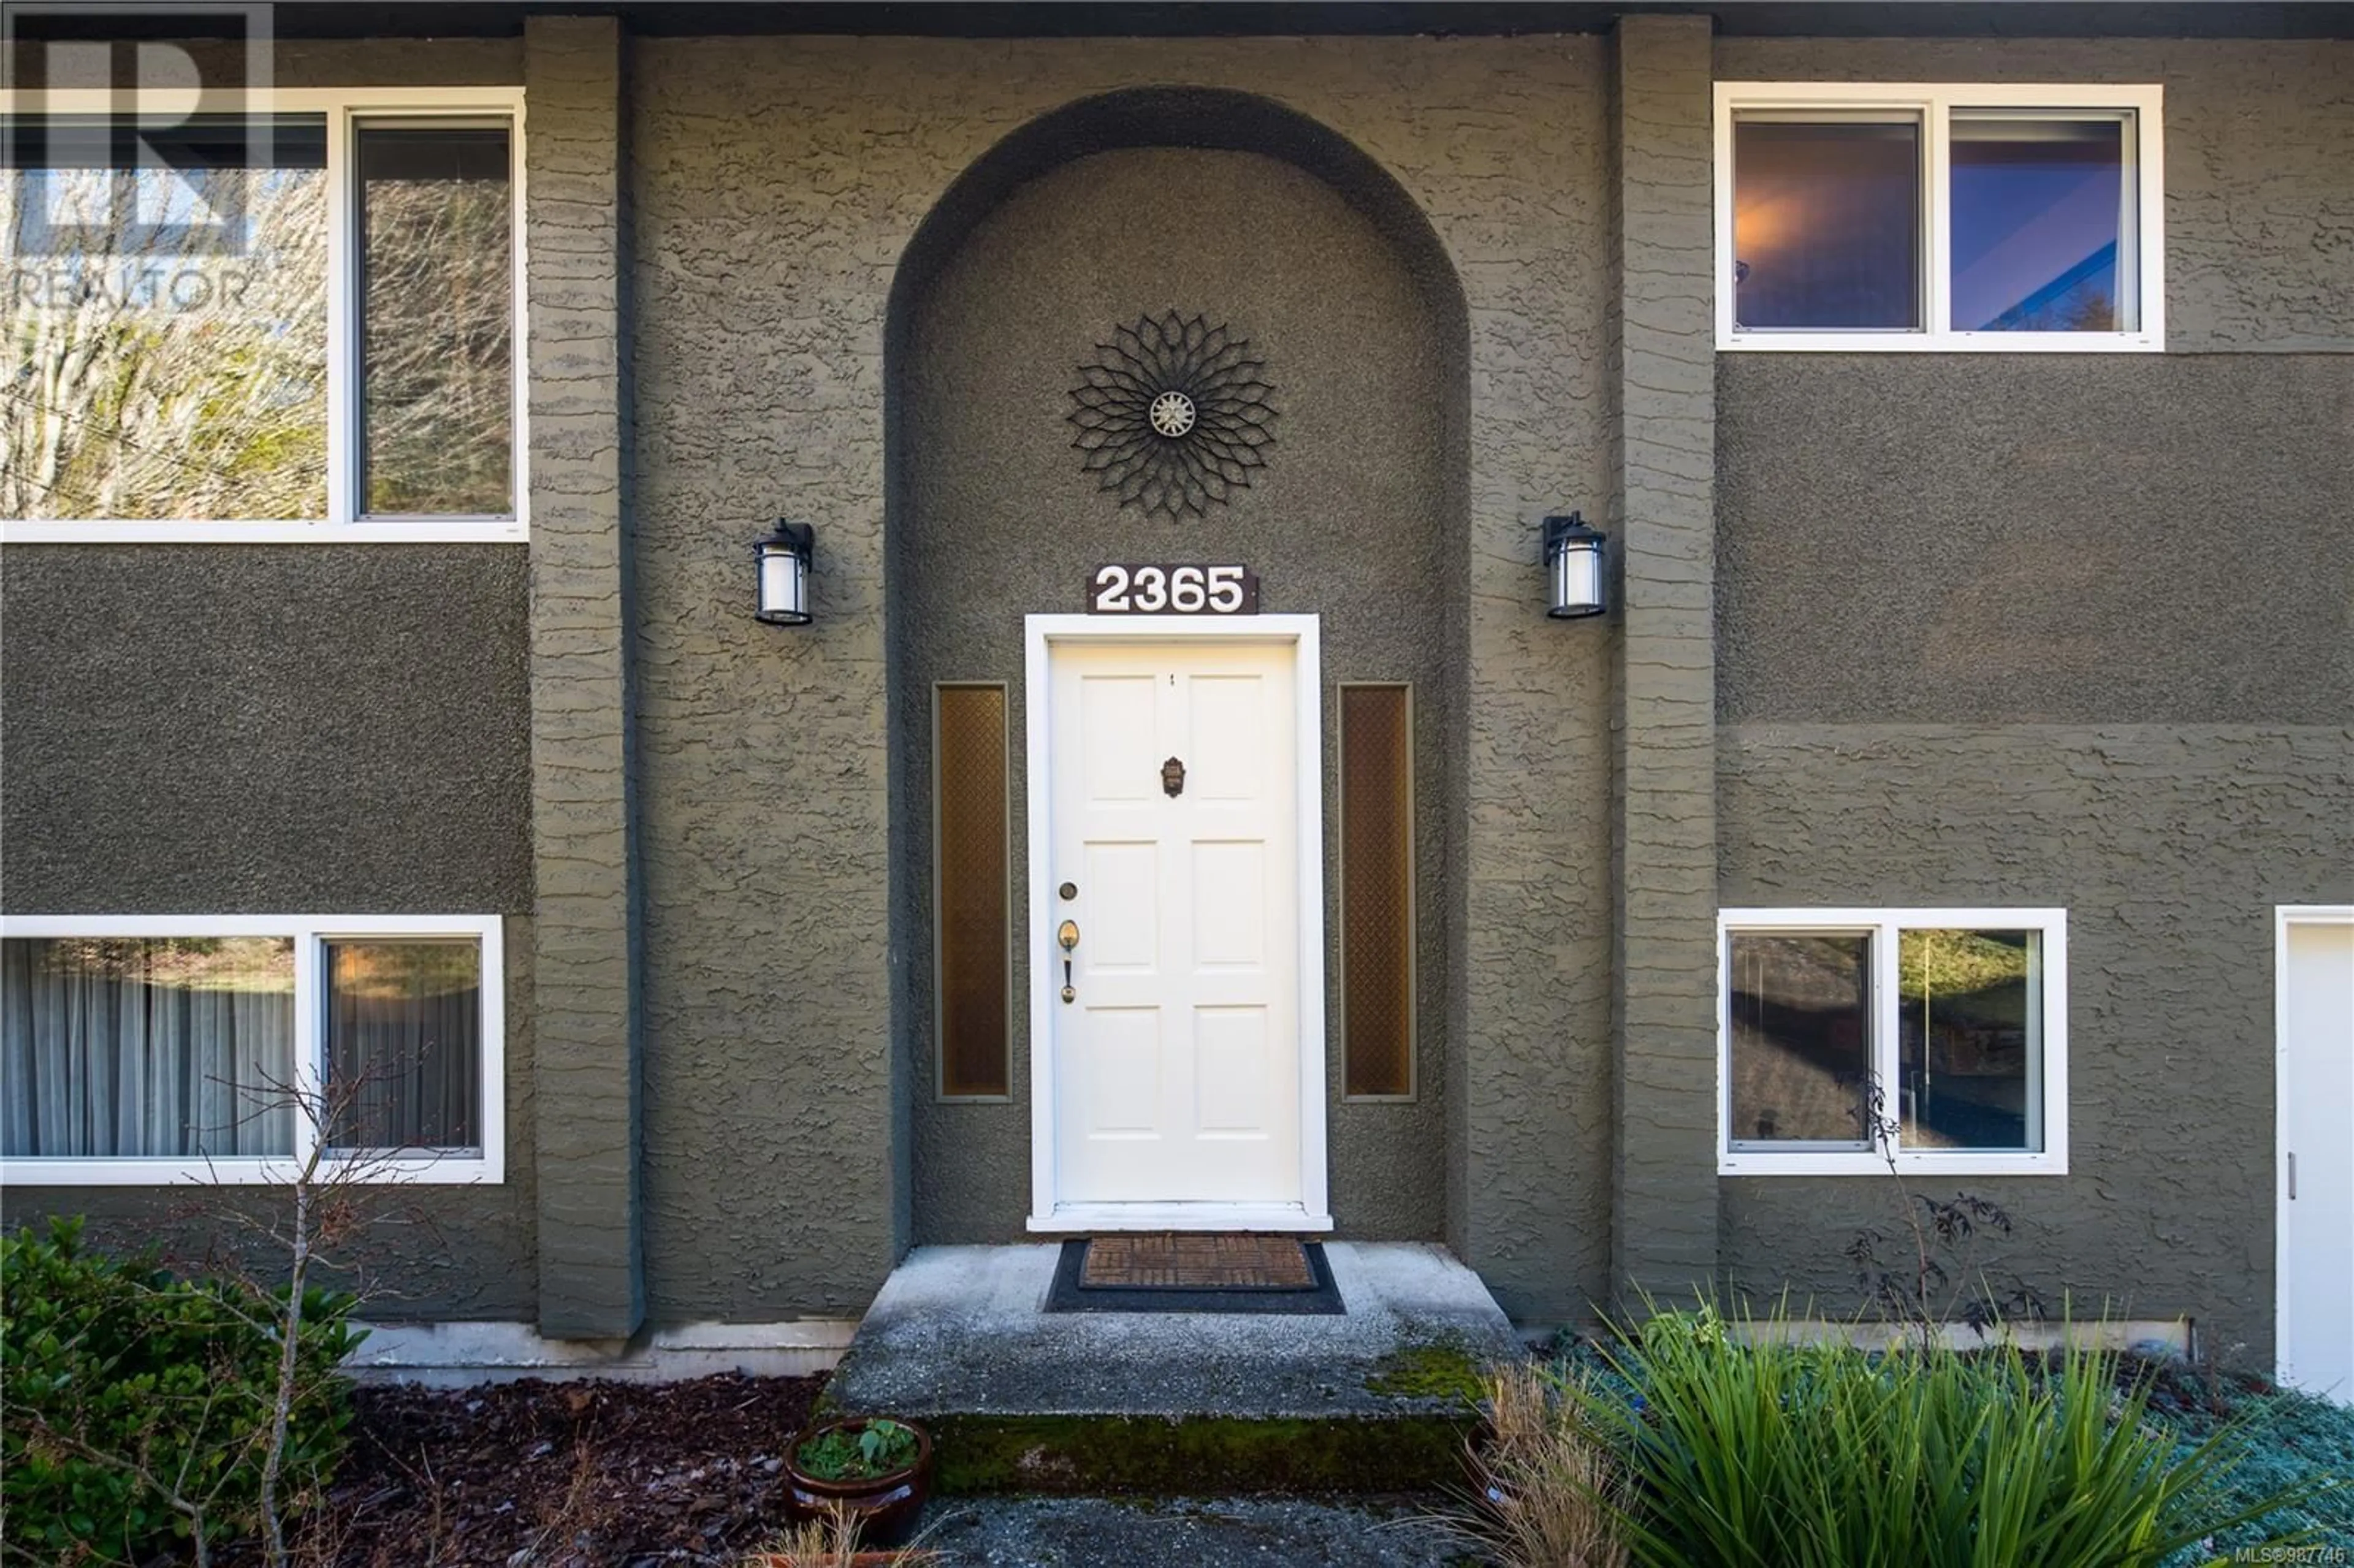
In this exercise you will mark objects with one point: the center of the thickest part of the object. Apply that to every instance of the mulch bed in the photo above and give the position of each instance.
(562, 1475)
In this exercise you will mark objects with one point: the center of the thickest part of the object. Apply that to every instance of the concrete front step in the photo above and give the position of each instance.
(1376, 1399)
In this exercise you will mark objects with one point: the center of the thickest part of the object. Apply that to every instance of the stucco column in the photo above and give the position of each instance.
(1663, 1209)
(586, 1061)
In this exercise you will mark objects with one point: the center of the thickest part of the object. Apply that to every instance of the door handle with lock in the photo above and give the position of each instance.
(1067, 937)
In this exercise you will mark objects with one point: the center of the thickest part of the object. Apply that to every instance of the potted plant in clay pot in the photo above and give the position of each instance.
(869, 1471)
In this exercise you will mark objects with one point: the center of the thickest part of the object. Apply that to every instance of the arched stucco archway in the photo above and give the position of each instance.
(1232, 207)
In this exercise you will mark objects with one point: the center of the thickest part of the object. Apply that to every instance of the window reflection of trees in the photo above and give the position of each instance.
(438, 316)
(149, 377)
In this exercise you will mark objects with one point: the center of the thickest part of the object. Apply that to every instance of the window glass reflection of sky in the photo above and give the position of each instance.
(2036, 213)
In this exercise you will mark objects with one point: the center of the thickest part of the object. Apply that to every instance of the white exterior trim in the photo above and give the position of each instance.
(2048, 1093)
(345, 523)
(1082, 1218)
(1313, 1212)
(2284, 916)
(1935, 103)
(310, 933)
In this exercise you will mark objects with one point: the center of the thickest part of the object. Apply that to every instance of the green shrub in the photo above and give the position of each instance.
(127, 1386)
(1824, 1455)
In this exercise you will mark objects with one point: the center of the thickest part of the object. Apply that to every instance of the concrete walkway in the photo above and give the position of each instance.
(1224, 1532)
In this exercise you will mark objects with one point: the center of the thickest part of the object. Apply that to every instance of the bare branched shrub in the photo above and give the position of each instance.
(247, 1424)
(1939, 1278)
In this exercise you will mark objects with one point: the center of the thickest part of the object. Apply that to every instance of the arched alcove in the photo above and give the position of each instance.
(1234, 209)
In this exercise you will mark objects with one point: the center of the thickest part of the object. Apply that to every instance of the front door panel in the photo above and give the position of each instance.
(1176, 1061)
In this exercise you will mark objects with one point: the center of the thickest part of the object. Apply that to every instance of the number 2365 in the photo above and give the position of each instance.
(1172, 590)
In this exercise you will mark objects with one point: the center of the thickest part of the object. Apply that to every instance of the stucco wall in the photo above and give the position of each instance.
(2168, 846)
(591, 1067)
(1354, 517)
(2073, 631)
(2258, 213)
(312, 729)
(778, 180)
(2036, 538)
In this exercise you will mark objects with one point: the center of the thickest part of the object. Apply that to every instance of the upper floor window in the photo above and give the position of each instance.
(296, 321)
(1866, 216)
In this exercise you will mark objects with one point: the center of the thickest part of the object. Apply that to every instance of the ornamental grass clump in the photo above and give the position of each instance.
(1748, 1451)
(1551, 1494)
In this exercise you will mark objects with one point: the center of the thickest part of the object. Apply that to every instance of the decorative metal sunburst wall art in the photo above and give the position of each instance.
(1173, 413)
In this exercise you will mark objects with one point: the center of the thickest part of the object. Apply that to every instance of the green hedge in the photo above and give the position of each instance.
(123, 1381)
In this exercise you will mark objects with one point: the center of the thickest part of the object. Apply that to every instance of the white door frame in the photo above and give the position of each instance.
(2284, 916)
(1041, 634)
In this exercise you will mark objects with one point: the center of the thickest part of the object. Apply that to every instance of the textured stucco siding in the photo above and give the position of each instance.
(2087, 645)
(778, 182)
(2168, 846)
(2054, 538)
(2071, 631)
(591, 1281)
(256, 729)
(1663, 1195)
(1355, 514)
(2259, 209)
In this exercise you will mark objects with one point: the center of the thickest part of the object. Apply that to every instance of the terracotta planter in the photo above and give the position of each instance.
(884, 1507)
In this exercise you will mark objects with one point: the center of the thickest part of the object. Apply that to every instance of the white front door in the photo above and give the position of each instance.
(2317, 1179)
(1174, 848)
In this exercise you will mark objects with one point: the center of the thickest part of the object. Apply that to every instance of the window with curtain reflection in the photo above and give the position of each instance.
(146, 1048)
(404, 1045)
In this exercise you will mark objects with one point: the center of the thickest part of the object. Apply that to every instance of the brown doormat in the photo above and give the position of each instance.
(1196, 1260)
(1193, 1271)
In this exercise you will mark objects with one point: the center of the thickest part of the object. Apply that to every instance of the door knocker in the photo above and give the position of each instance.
(1173, 778)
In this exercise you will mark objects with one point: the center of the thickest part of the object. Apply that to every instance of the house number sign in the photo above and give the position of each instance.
(1173, 590)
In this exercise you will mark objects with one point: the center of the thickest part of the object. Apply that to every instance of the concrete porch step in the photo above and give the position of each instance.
(1376, 1399)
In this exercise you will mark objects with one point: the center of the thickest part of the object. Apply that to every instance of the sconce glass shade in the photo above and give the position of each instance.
(1573, 555)
(785, 556)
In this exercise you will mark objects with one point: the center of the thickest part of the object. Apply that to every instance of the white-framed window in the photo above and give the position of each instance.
(1945, 216)
(1937, 1038)
(276, 317)
(140, 1050)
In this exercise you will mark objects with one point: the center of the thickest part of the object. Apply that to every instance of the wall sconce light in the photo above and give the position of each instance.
(1573, 555)
(784, 557)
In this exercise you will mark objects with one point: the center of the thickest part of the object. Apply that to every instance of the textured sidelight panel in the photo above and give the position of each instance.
(1377, 890)
(970, 897)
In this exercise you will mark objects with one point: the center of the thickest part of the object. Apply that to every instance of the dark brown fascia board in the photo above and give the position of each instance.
(1184, 18)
